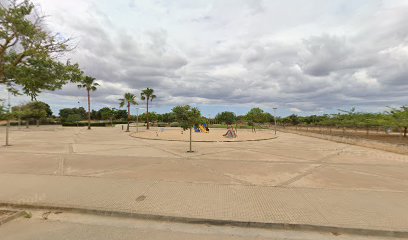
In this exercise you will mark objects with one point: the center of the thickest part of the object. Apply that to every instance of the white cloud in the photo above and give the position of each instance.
(295, 110)
(328, 55)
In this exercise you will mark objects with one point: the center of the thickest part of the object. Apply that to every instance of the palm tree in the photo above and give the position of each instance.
(147, 94)
(128, 99)
(90, 85)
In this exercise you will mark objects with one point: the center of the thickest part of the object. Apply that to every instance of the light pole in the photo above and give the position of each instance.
(8, 119)
(137, 118)
(79, 104)
(274, 117)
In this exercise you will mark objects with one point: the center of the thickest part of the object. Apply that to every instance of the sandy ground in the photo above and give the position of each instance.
(381, 136)
(214, 135)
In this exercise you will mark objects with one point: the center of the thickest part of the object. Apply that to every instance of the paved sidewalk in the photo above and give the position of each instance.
(374, 210)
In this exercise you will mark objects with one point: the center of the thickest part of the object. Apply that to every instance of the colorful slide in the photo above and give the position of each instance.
(202, 129)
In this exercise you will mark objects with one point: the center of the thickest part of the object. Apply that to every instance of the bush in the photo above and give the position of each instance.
(174, 124)
(32, 122)
(162, 124)
(119, 122)
(84, 124)
(218, 126)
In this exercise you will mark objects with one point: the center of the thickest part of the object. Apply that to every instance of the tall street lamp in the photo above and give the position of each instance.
(8, 118)
(79, 106)
(137, 118)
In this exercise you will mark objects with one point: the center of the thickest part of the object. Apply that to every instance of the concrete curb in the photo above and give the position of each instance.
(216, 222)
(203, 141)
(12, 217)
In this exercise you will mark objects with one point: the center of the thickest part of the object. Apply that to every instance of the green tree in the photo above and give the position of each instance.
(153, 116)
(107, 114)
(39, 110)
(129, 99)
(3, 111)
(168, 117)
(294, 119)
(34, 110)
(187, 117)
(96, 115)
(66, 112)
(147, 94)
(90, 86)
(29, 52)
(74, 118)
(121, 114)
(257, 116)
(400, 118)
(226, 117)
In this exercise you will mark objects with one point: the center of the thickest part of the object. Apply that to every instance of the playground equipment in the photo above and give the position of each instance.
(201, 128)
(231, 133)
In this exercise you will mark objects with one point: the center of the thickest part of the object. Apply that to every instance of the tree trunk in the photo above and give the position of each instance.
(147, 113)
(128, 118)
(89, 111)
(405, 131)
(7, 132)
(37, 122)
(191, 133)
(27, 123)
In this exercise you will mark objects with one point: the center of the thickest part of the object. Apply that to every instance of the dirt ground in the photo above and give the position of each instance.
(376, 135)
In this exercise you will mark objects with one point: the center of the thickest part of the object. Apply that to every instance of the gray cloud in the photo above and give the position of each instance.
(213, 54)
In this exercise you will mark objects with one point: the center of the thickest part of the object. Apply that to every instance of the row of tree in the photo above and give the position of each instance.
(255, 115)
(394, 118)
(130, 99)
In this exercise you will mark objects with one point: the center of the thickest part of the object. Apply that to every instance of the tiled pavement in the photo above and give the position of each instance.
(291, 180)
(378, 210)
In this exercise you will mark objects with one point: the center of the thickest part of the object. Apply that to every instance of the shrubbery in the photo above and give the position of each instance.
(174, 124)
(83, 124)
(162, 124)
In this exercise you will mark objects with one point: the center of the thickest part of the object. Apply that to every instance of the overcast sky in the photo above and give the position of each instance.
(302, 56)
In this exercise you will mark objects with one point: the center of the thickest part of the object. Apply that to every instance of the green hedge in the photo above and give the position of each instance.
(162, 124)
(174, 124)
(118, 122)
(84, 124)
